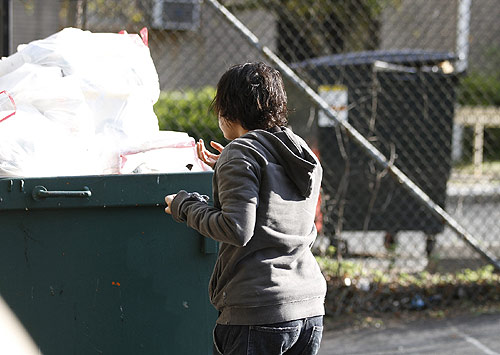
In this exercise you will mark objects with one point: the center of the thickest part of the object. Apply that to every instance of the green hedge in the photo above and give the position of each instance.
(478, 89)
(188, 111)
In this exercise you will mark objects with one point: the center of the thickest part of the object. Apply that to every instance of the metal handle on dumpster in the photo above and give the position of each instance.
(40, 192)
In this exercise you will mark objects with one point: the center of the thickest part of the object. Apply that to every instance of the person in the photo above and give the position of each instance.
(266, 283)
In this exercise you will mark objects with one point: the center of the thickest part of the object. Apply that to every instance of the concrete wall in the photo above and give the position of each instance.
(184, 59)
(484, 52)
(432, 25)
(198, 58)
(34, 19)
(420, 24)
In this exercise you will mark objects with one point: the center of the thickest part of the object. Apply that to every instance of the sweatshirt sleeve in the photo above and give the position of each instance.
(234, 222)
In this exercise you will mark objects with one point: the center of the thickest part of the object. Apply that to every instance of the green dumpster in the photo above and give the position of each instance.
(93, 265)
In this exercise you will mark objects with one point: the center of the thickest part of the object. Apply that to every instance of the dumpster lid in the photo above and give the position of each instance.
(412, 57)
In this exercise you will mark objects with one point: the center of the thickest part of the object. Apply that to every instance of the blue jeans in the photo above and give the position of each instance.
(297, 337)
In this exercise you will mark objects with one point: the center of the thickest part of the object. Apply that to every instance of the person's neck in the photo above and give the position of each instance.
(239, 130)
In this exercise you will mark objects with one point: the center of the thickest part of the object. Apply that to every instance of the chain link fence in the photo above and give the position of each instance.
(420, 80)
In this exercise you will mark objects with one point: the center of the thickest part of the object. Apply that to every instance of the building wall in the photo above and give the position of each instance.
(420, 24)
(484, 41)
(198, 58)
(34, 19)
(432, 25)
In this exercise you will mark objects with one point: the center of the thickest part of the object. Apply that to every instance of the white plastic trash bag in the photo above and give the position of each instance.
(7, 106)
(32, 145)
(59, 98)
(150, 156)
(81, 103)
(113, 69)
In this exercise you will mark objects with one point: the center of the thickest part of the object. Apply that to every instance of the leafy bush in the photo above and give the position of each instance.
(188, 111)
(481, 89)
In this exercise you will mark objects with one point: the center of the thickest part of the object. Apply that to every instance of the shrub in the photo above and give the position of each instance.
(478, 89)
(188, 111)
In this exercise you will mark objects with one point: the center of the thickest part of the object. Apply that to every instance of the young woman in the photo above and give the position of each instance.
(266, 283)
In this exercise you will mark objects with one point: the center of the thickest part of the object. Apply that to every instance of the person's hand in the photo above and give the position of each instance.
(168, 200)
(205, 156)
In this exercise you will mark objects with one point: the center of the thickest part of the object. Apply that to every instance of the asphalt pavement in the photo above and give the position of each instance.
(461, 335)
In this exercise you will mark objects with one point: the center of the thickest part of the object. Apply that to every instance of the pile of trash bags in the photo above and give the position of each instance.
(81, 103)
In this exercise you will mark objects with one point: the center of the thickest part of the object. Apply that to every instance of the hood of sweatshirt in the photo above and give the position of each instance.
(291, 152)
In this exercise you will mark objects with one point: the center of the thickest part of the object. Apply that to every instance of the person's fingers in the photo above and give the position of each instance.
(205, 156)
(217, 146)
(212, 156)
(199, 149)
(200, 153)
(168, 201)
(203, 153)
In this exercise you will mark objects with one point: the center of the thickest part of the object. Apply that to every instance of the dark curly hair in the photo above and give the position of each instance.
(252, 94)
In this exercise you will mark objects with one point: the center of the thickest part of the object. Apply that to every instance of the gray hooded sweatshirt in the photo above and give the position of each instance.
(266, 186)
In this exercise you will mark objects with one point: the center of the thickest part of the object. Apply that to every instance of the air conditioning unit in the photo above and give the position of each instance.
(176, 14)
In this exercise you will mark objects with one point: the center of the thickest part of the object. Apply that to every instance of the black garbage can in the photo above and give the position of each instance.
(403, 102)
